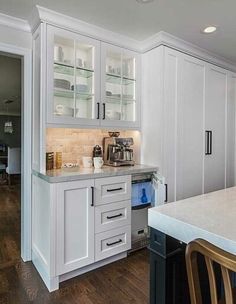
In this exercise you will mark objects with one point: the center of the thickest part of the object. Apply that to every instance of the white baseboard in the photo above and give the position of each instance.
(52, 283)
(93, 266)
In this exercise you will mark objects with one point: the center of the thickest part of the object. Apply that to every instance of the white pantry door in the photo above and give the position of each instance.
(215, 122)
(190, 126)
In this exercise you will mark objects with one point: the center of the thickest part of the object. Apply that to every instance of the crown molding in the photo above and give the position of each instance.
(16, 23)
(42, 14)
(166, 39)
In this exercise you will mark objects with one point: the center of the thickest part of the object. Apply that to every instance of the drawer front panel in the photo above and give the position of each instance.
(112, 216)
(112, 189)
(112, 242)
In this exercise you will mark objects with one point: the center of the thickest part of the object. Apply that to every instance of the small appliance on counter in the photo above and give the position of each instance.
(118, 151)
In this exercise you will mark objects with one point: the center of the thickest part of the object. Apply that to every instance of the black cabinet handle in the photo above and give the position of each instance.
(98, 110)
(115, 189)
(210, 139)
(208, 142)
(114, 216)
(92, 204)
(117, 242)
(104, 111)
(166, 200)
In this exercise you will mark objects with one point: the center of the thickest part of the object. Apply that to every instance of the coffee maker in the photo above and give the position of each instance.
(118, 151)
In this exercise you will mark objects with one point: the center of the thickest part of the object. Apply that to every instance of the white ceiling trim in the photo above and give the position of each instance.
(41, 14)
(163, 38)
(57, 19)
(15, 23)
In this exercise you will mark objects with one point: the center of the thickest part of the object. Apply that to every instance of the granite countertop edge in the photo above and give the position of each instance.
(73, 174)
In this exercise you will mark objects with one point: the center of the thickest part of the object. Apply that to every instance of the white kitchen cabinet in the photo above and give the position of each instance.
(215, 122)
(79, 232)
(112, 189)
(183, 97)
(112, 215)
(112, 242)
(120, 87)
(190, 127)
(80, 86)
(75, 225)
(230, 134)
(73, 78)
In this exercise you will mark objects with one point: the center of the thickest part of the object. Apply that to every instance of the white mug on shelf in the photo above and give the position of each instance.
(87, 162)
(98, 162)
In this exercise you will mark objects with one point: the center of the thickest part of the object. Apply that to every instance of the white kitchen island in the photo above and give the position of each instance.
(210, 216)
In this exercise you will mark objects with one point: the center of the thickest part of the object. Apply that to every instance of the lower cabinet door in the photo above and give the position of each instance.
(75, 225)
(112, 242)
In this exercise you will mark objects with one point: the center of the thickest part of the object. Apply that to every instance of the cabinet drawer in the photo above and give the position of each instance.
(112, 189)
(112, 242)
(112, 216)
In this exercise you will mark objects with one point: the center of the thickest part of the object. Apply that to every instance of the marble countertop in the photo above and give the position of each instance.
(210, 216)
(79, 173)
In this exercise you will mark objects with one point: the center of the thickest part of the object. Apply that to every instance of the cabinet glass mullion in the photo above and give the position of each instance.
(85, 81)
(113, 84)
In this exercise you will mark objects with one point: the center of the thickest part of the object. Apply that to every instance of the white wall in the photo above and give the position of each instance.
(15, 37)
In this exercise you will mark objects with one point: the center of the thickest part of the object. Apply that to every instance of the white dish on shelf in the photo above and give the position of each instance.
(62, 83)
(62, 110)
(113, 115)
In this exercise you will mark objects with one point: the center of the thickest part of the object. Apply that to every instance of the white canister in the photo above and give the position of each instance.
(87, 162)
(58, 53)
(98, 162)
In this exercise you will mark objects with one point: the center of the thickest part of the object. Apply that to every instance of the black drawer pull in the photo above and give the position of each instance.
(115, 189)
(113, 216)
(117, 242)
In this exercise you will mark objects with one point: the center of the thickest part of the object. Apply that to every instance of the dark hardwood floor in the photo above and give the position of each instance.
(125, 281)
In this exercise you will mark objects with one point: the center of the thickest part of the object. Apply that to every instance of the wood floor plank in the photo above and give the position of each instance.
(122, 282)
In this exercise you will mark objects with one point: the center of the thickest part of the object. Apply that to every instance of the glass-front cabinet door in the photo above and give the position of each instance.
(73, 78)
(120, 84)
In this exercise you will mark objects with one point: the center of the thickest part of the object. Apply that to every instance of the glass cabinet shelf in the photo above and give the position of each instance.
(70, 94)
(63, 93)
(117, 79)
(111, 99)
(84, 96)
(66, 69)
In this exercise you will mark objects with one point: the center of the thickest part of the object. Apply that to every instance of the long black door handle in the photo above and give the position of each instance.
(104, 111)
(98, 110)
(92, 203)
(166, 200)
(114, 216)
(208, 142)
(117, 242)
(115, 189)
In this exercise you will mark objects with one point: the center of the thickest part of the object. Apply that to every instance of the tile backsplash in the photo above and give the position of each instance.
(76, 143)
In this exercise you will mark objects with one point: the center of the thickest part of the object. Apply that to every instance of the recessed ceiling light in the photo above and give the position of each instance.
(209, 29)
(144, 1)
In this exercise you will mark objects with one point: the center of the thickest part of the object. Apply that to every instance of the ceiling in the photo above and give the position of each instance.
(182, 18)
(10, 85)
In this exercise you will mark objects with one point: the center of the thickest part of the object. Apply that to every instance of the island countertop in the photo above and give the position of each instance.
(209, 216)
(80, 173)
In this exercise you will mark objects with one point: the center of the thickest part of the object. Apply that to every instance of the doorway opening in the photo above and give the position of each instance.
(10, 157)
(24, 212)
